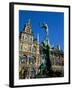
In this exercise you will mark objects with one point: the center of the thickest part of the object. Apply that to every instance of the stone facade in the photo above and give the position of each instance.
(29, 56)
(57, 59)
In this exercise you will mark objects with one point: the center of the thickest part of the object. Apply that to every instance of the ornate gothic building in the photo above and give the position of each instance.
(29, 56)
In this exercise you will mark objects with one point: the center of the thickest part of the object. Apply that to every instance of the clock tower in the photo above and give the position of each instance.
(28, 27)
(29, 56)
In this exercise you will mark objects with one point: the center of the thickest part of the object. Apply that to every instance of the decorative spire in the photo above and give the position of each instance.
(28, 27)
(29, 22)
(38, 38)
(59, 47)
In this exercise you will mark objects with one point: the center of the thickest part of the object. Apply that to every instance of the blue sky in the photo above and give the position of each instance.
(55, 21)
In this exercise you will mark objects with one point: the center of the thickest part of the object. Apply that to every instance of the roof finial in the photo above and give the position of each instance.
(29, 22)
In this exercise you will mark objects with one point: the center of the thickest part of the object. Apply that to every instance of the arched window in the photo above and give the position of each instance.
(57, 61)
(24, 59)
(33, 59)
(33, 73)
(30, 60)
(31, 39)
(26, 37)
